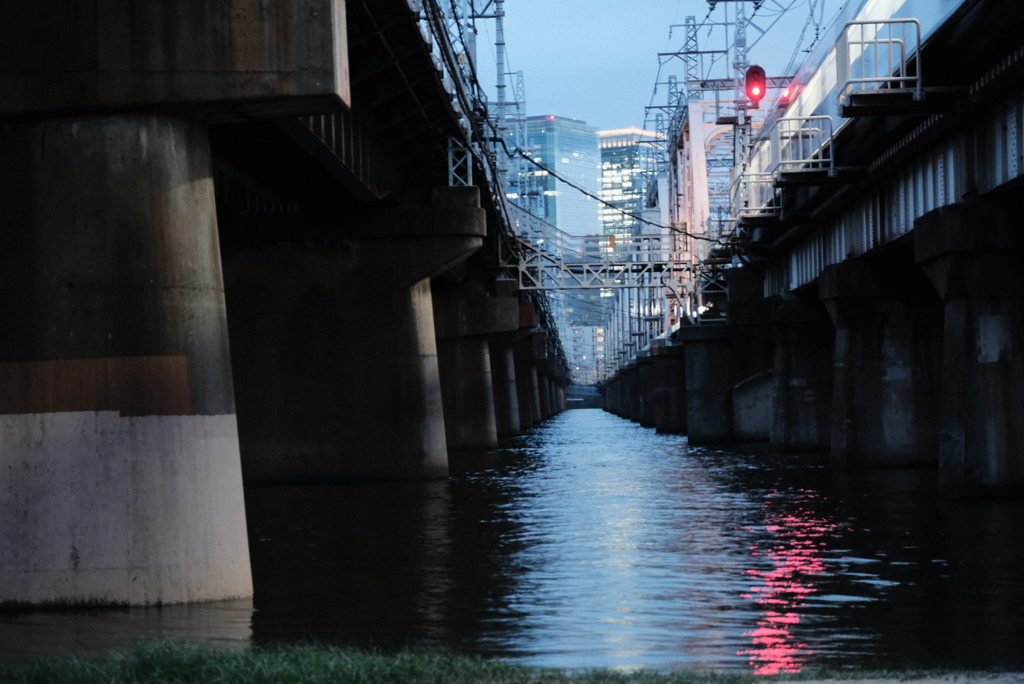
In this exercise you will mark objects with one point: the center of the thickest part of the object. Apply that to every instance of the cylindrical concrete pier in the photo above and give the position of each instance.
(526, 379)
(467, 393)
(118, 436)
(544, 385)
(506, 396)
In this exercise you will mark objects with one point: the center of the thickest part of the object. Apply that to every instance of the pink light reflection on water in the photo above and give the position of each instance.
(796, 544)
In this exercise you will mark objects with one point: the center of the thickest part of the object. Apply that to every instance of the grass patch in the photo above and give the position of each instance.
(172, 663)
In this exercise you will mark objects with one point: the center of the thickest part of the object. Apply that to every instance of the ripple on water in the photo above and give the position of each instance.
(594, 542)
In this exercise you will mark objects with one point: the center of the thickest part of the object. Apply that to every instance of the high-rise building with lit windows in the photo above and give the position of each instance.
(569, 148)
(586, 351)
(624, 162)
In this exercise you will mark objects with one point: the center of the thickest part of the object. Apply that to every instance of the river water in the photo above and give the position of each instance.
(594, 542)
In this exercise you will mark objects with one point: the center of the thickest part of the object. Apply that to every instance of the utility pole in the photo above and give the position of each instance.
(499, 112)
(740, 64)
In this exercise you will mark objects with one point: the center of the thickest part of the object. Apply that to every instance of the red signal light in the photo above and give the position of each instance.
(756, 84)
(787, 96)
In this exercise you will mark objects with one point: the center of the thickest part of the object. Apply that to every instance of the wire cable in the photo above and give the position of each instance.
(519, 152)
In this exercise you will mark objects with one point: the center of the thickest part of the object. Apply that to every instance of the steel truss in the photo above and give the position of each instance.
(645, 266)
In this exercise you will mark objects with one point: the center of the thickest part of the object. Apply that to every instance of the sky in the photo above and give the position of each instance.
(597, 60)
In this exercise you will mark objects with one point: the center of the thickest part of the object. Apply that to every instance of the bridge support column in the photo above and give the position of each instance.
(118, 437)
(645, 383)
(553, 395)
(887, 366)
(467, 393)
(618, 395)
(544, 384)
(506, 394)
(625, 393)
(464, 319)
(529, 352)
(611, 396)
(972, 255)
(708, 383)
(630, 392)
(802, 396)
(668, 373)
(508, 419)
(333, 345)
(753, 355)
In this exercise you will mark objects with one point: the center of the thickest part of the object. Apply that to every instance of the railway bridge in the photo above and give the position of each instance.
(240, 242)
(870, 268)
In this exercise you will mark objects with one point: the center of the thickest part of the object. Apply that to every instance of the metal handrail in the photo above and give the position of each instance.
(802, 144)
(751, 194)
(873, 53)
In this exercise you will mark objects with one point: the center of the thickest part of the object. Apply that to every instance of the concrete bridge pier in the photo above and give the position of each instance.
(544, 388)
(972, 253)
(645, 390)
(467, 393)
(118, 437)
(888, 351)
(333, 345)
(528, 354)
(668, 393)
(553, 387)
(613, 396)
(630, 391)
(621, 394)
(506, 394)
(465, 317)
(508, 420)
(802, 397)
(708, 376)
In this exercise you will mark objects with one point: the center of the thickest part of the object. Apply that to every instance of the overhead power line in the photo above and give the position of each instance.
(519, 152)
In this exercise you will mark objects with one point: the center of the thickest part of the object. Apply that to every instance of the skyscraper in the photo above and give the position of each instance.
(586, 351)
(624, 164)
(569, 148)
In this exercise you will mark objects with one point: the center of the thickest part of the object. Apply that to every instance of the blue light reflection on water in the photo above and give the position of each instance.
(632, 549)
(595, 542)
(649, 555)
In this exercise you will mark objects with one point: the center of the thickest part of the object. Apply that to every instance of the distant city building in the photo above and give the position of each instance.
(585, 308)
(569, 148)
(624, 165)
(585, 350)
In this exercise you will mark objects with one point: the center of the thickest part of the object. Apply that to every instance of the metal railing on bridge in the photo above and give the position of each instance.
(874, 57)
(802, 146)
(754, 196)
(551, 259)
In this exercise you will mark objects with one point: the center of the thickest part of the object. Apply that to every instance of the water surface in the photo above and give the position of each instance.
(595, 542)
